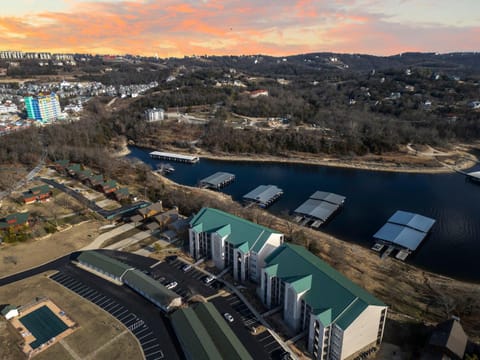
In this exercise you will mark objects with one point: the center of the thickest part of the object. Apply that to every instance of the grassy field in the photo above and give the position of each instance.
(100, 336)
(18, 257)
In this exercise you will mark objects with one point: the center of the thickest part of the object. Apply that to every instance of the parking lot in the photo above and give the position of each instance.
(151, 345)
(246, 316)
(190, 282)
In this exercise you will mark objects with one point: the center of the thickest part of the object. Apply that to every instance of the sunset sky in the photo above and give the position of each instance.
(273, 27)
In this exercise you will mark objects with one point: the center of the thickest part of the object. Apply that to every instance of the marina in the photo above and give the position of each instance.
(263, 195)
(404, 232)
(174, 157)
(217, 180)
(318, 208)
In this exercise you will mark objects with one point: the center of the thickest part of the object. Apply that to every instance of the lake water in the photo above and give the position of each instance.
(453, 247)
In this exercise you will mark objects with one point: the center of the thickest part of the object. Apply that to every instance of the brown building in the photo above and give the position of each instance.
(39, 193)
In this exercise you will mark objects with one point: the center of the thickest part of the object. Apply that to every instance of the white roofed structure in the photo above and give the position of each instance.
(264, 195)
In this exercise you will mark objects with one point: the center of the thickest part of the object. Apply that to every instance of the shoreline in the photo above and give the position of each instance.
(406, 288)
(311, 159)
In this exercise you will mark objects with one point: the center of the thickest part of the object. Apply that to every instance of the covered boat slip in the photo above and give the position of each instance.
(217, 180)
(174, 157)
(318, 208)
(404, 231)
(264, 195)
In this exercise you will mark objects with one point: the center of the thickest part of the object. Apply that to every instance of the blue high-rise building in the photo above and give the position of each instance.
(44, 108)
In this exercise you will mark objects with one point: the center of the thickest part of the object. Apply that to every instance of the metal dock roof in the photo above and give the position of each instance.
(405, 229)
(475, 175)
(217, 179)
(173, 156)
(329, 197)
(263, 193)
(317, 209)
(412, 220)
(400, 235)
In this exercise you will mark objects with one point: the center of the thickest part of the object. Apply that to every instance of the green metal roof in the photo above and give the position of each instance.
(204, 334)
(106, 263)
(192, 335)
(150, 287)
(14, 220)
(332, 296)
(123, 191)
(39, 190)
(223, 336)
(62, 163)
(110, 184)
(211, 220)
(75, 168)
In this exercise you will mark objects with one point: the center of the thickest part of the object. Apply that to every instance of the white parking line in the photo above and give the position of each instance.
(129, 322)
(155, 352)
(107, 300)
(148, 341)
(70, 282)
(96, 298)
(78, 288)
(144, 336)
(138, 333)
(121, 313)
(270, 343)
(102, 298)
(151, 347)
(114, 307)
(91, 292)
(118, 311)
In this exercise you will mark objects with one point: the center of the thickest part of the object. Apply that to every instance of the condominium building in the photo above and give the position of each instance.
(155, 114)
(44, 108)
(233, 242)
(340, 318)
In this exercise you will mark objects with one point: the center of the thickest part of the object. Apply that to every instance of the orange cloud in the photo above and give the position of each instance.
(175, 28)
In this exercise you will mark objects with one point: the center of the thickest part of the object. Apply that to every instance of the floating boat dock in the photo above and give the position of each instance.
(318, 208)
(404, 232)
(174, 157)
(474, 176)
(264, 195)
(217, 180)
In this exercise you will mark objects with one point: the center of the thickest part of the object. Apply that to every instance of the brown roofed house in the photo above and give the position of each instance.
(151, 210)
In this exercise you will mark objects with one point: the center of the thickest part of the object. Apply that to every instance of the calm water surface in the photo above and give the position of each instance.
(453, 247)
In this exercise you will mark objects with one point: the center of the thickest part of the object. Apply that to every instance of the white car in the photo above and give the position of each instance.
(208, 279)
(228, 317)
(171, 285)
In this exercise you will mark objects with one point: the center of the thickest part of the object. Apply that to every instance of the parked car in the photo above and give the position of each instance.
(228, 317)
(171, 285)
(208, 279)
(186, 267)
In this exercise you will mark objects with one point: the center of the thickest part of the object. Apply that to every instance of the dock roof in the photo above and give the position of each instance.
(405, 229)
(332, 297)
(475, 174)
(329, 197)
(173, 155)
(217, 178)
(238, 231)
(412, 220)
(263, 193)
(317, 209)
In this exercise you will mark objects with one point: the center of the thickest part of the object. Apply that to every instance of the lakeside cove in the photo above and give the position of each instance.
(413, 294)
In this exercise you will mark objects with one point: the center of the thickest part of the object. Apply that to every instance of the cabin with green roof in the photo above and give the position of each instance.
(204, 334)
(340, 317)
(232, 242)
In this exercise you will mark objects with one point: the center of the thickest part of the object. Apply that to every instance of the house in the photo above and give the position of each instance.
(231, 241)
(151, 210)
(166, 218)
(83, 175)
(256, 93)
(9, 312)
(94, 180)
(14, 221)
(61, 165)
(39, 193)
(448, 341)
(121, 194)
(74, 169)
(108, 186)
(340, 318)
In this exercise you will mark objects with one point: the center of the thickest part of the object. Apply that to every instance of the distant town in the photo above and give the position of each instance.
(135, 263)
